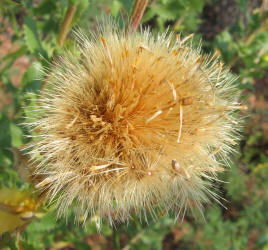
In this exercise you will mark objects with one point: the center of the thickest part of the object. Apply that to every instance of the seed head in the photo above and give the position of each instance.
(134, 123)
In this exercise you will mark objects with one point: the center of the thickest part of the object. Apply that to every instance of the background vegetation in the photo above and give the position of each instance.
(237, 30)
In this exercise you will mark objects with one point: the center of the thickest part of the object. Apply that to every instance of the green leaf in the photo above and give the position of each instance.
(32, 39)
(82, 5)
(4, 135)
(47, 223)
(30, 100)
(165, 14)
(116, 6)
(148, 15)
(81, 245)
(128, 4)
(30, 81)
(4, 159)
(11, 2)
(196, 4)
(14, 23)
(45, 7)
(8, 242)
(16, 135)
(40, 230)
(10, 58)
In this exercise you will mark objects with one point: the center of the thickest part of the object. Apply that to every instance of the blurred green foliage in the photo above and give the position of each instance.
(242, 44)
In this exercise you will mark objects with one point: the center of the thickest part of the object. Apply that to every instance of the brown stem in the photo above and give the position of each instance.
(137, 13)
(65, 26)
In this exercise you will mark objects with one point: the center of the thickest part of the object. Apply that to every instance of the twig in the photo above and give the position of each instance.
(65, 26)
(137, 13)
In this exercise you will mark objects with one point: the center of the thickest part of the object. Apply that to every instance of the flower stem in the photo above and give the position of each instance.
(137, 13)
(65, 26)
(116, 240)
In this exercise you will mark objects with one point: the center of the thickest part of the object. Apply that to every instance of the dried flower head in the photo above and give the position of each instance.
(134, 123)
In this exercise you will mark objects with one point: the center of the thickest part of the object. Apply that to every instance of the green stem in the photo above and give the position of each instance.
(66, 24)
(116, 239)
(137, 13)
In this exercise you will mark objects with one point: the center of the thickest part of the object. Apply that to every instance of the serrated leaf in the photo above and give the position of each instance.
(4, 159)
(8, 242)
(44, 224)
(16, 135)
(116, 6)
(164, 13)
(10, 58)
(32, 39)
(81, 245)
(4, 136)
(128, 4)
(50, 46)
(81, 7)
(11, 2)
(45, 7)
(148, 15)
(29, 110)
(30, 80)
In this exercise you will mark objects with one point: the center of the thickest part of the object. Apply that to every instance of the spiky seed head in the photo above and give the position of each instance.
(134, 123)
